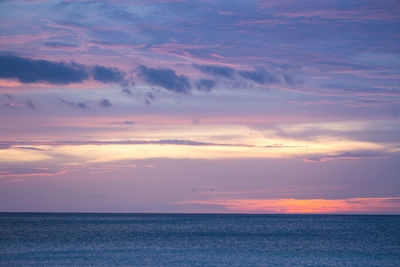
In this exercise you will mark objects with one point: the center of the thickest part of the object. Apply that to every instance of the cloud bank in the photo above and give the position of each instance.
(27, 70)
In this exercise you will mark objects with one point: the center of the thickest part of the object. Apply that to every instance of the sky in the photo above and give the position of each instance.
(237, 106)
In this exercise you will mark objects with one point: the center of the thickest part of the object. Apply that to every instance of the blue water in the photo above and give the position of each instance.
(56, 239)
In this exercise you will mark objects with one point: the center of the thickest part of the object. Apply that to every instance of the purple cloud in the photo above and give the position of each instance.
(105, 103)
(166, 78)
(80, 105)
(28, 70)
(107, 75)
(205, 85)
(260, 76)
(217, 71)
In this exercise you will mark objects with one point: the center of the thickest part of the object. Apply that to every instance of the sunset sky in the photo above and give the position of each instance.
(200, 106)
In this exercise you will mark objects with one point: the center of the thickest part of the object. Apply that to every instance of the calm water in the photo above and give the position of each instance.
(198, 240)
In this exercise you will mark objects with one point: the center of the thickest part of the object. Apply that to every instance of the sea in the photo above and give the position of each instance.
(99, 239)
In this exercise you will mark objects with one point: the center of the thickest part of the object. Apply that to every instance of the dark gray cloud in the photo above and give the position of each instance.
(148, 98)
(32, 71)
(123, 122)
(30, 104)
(127, 91)
(217, 71)
(205, 85)
(289, 80)
(105, 103)
(260, 76)
(166, 78)
(80, 105)
(107, 75)
(28, 70)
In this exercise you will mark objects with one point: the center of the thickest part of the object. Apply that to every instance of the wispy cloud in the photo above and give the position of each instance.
(124, 122)
(26, 172)
(6, 144)
(258, 75)
(347, 155)
(79, 105)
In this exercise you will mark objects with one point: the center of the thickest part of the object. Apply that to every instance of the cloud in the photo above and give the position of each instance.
(148, 98)
(5, 146)
(280, 146)
(80, 105)
(28, 70)
(127, 91)
(166, 78)
(33, 71)
(8, 144)
(205, 85)
(217, 71)
(343, 156)
(30, 148)
(362, 90)
(105, 103)
(18, 144)
(30, 104)
(123, 122)
(60, 45)
(288, 79)
(25, 172)
(107, 75)
(394, 110)
(260, 76)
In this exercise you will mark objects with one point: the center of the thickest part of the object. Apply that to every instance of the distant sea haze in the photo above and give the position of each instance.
(99, 239)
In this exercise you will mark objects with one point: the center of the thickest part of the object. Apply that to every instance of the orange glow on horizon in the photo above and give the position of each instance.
(291, 205)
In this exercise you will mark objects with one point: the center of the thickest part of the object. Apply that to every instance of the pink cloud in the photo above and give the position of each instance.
(23, 172)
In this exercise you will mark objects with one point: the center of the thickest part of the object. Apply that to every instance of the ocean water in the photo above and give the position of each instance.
(68, 239)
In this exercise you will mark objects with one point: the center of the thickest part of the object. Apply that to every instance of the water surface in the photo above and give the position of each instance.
(93, 239)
